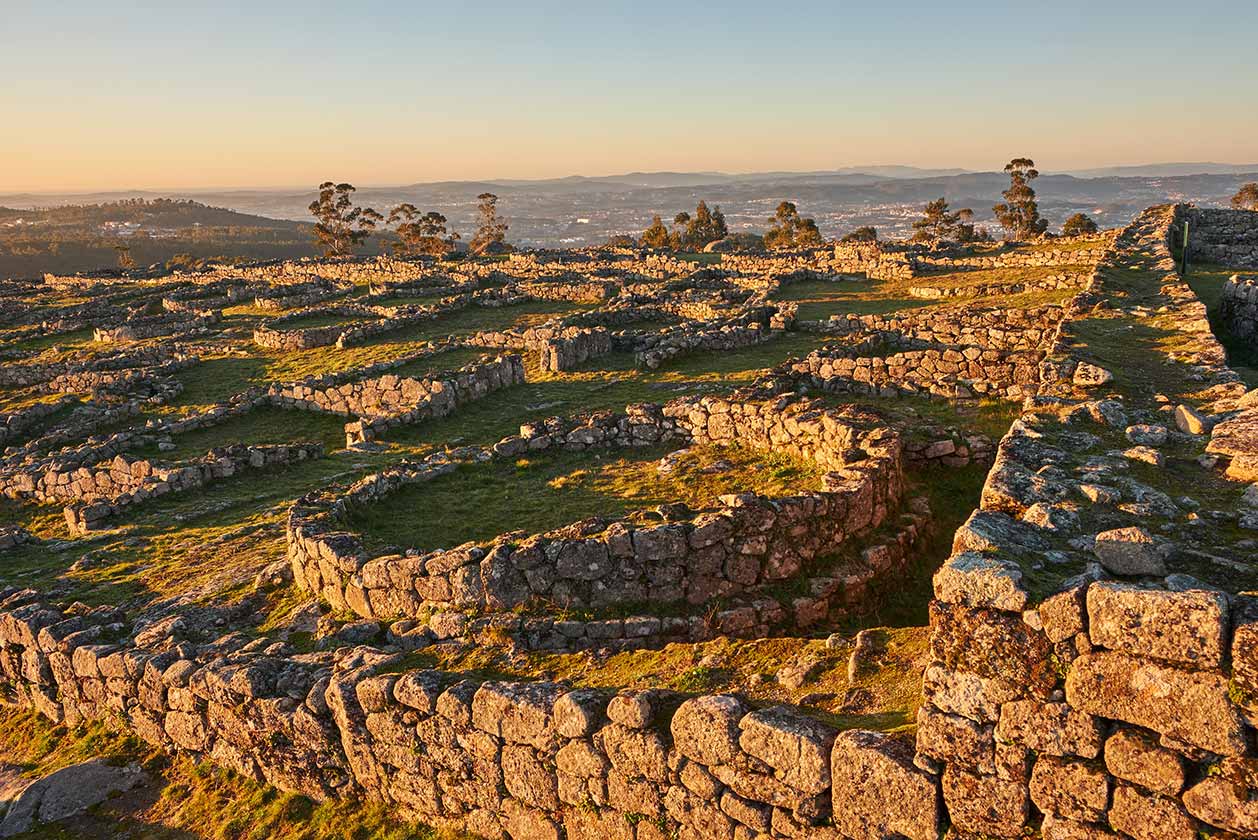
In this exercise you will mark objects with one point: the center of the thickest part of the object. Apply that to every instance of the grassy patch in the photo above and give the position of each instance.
(545, 491)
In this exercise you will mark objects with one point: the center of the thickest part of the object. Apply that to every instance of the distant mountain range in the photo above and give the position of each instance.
(586, 210)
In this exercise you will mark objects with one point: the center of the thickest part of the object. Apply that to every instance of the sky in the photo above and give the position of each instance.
(175, 94)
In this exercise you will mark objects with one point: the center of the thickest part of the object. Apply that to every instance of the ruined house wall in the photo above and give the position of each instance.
(1238, 308)
(743, 544)
(1109, 708)
(1226, 237)
(525, 760)
(100, 492)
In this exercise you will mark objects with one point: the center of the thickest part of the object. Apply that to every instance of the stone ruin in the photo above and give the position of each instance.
(1091, 669)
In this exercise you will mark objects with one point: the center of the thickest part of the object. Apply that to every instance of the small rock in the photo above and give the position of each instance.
(1089, 375)
(794, 676)
(1144, 434)
(1192, 421)
(1129, 551)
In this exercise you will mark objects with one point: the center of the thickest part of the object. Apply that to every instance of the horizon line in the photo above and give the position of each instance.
(846, 170)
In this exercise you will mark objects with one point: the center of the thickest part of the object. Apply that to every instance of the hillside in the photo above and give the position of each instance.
(78, 237)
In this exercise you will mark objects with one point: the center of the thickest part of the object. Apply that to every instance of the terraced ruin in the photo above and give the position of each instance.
(862, 541)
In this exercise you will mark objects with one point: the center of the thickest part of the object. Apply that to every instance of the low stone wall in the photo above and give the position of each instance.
(383, 402)
(153, 380)
(699, 336)
(1226, 237)
(845, 589)
(156, 326)
(1057, 282)
(295, 295)
(1238, 308)
(15, 424)
(24, 375)
(1040, 258)
(745, 543)
(875, 260)
(277, 335)
(498, 759)
(952, 373)
(990, 328)
(575, 289)
(102, 492)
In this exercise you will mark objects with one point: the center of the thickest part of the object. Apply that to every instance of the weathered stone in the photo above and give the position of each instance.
(956, 740)
(706, 730)
(1136, 757)
(968, 695)
(1069, 788)
(1145, 816)
(986, 805)
(1129, 551)
(979, 580)
(1050, 728)
(878, 791)
(1188, 627)
(796, 747)
(1191, 706)
(1227, 797)
(1064, 615)
(994, 645)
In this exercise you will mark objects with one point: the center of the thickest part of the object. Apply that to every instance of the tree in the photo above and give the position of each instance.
(938, 223)
(1080, 224)
(1019, 214)
(340, 226)
(492, 233)
(421, 234)
(861, 234)
(125, 260)
(1246, 197)
(787, 229)
(656, 236)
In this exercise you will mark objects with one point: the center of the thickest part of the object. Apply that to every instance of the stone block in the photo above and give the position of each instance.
(1188, 627)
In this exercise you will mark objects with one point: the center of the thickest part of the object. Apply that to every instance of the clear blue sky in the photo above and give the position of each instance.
(169, 94)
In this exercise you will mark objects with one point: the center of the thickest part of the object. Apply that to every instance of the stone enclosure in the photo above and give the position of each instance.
(1089, 668)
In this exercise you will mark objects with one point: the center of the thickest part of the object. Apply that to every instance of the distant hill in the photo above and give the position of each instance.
(78, 237)
(1159, 170)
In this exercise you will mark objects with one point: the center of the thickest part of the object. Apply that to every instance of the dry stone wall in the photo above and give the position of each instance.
(498, 759)
(1238, 308)
(739, 547)
(387, 401)
(1119, 705)
(1225, 237)
(104, 491)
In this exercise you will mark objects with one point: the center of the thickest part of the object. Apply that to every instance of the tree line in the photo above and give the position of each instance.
(341, 226)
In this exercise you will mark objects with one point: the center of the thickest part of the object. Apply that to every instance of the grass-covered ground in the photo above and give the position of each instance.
(548, 490)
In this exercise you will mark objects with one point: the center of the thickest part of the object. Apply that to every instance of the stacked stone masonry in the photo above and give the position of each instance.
(1122, 705)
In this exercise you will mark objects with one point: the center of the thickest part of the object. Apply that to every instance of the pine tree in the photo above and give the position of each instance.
(656, 236)
(1246, 197)
(1079, 224)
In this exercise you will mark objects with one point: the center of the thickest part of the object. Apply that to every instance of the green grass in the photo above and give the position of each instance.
(1207, 281)
(544, 491)
(320, 319)
(819, 299)
(441, 362)
(264, 425)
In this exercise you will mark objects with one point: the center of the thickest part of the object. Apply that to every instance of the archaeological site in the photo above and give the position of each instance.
(849, 541)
